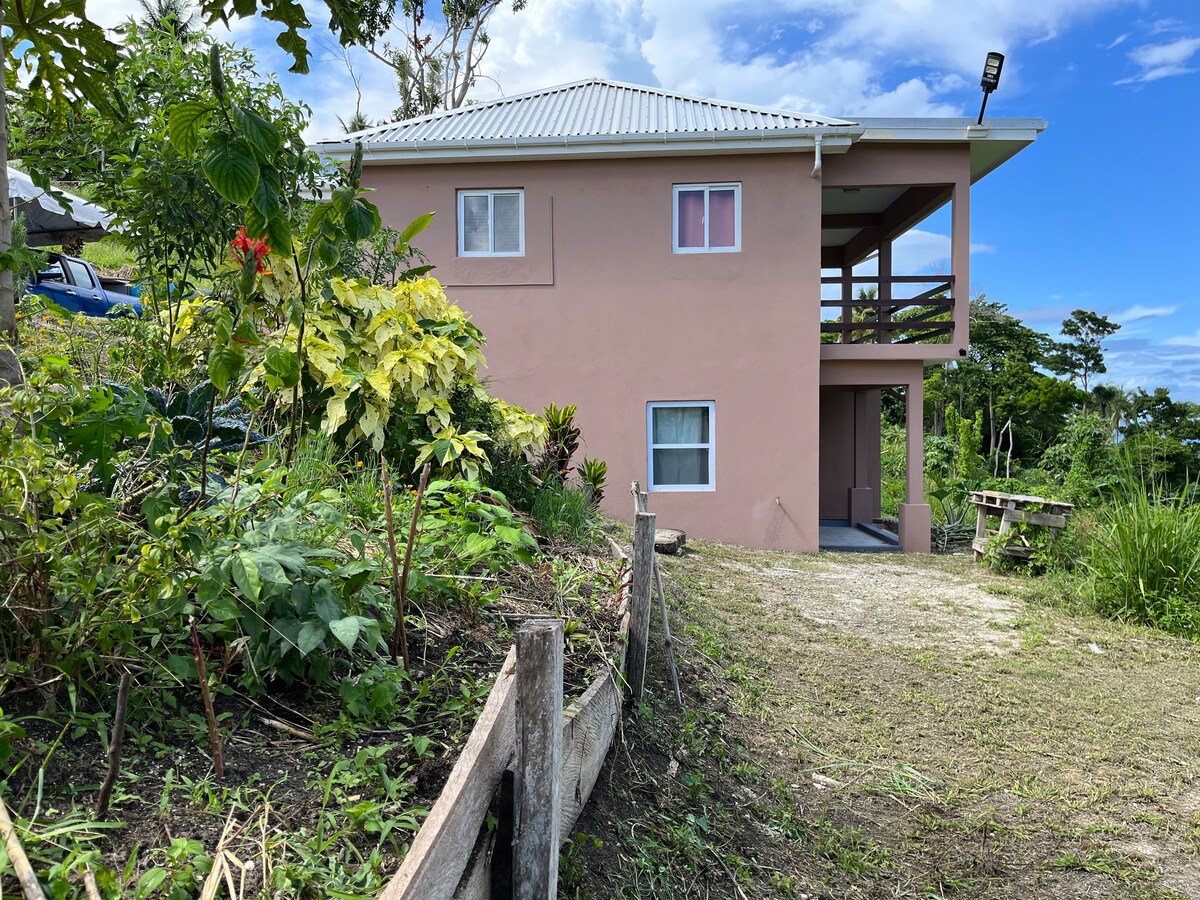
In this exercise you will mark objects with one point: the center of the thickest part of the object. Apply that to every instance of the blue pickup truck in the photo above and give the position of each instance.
(75, 286)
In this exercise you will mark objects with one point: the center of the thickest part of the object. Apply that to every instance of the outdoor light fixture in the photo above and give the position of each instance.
(991, 78)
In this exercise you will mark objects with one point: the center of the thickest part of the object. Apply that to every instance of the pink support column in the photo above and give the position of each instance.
(915, 514)
(960, 261)
(885, 290)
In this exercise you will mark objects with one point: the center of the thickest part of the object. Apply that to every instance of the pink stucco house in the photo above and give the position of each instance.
(684, 270)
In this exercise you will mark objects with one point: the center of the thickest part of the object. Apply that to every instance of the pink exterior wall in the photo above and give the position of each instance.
(599, 312)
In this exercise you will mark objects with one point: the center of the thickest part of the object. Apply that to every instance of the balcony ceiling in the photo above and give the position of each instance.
(854, 221)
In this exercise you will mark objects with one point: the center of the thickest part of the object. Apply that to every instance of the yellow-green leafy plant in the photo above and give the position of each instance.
(379, 359)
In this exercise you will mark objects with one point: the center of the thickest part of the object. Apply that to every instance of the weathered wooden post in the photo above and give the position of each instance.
(538, 781)
(639, 602)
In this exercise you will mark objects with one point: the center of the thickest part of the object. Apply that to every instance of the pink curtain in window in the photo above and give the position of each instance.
(721, 219)
(691, 218)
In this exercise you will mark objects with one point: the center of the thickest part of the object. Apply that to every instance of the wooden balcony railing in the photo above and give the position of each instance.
(879, 317)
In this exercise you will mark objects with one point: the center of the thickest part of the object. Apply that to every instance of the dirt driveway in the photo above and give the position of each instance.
(914, 727)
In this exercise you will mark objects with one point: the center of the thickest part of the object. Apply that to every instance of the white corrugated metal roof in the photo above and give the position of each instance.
(595, 107)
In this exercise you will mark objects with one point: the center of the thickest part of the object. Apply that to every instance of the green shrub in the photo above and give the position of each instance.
(1143, 558)
(563, 511)
(593, 474)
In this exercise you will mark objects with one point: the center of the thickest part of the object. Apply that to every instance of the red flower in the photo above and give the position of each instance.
(244, 247)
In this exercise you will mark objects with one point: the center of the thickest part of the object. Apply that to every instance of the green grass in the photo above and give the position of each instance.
(563, 511)
(857, 766)
(1143, 559)
(109, 254)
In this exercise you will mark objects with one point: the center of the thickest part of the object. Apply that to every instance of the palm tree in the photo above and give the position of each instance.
(1113, 405)
(357, 122)
(176, 18)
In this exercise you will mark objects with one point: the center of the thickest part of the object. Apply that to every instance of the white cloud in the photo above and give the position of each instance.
(111, 13)
(1184, 340)
(1119, 41)
(840, 62)
(1137, 311)
(1162, 60)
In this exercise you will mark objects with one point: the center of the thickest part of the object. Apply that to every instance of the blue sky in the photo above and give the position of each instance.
(1101, 213)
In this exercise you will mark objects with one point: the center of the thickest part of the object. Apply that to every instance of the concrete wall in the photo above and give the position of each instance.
(599, 312)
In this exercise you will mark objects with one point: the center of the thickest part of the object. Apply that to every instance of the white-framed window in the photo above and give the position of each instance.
(681, 446)
(707, 218)
(491, 223)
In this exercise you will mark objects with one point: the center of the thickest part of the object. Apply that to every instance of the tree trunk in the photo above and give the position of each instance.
(10, 371)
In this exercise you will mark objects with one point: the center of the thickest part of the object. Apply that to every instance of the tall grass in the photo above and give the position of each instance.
(1143, 558)
(565, 511)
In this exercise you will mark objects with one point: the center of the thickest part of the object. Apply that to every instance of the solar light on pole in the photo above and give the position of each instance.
(991, 79)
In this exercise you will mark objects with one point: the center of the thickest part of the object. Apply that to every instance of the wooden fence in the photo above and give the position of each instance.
(529, 762)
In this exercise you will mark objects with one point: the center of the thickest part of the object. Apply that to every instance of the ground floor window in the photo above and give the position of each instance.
(681, 446)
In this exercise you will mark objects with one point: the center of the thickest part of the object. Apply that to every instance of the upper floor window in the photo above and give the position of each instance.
(491, 223)
(708, 218)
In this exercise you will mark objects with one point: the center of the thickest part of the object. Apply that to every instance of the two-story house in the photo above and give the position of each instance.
(683, 270)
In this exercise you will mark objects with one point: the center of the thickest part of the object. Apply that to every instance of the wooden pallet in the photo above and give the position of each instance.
(1014, 509)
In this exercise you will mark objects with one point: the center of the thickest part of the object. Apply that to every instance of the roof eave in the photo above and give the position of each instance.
(834, 139)
(992, 144)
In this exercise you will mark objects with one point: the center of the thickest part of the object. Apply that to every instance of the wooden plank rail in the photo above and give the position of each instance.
(538, 782)
(439, 854)
(879, 325)
(562, 753)
(639, 602)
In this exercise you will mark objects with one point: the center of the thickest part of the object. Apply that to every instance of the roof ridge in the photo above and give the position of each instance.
(443, 114)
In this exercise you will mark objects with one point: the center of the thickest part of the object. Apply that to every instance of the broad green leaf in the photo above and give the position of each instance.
(230, 167)
(279, 232)
(245, 575)
(151, 881)
(224, 364)
(184, 122)
(182, 667)
(268, 198)
(288, 629)
(223, 608)
(342, 199)
(312, 636)
(282, 367)
(258, 132)
(479, 544)
(508, 534)
(326, 608)
(70, 54)
(327, 252)
(270, 571)
(415, 227)
(362, 220)
(246, 333)
(346, 630)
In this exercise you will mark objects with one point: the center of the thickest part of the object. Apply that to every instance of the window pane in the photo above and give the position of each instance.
(691, 218)
(680, 425)
(475, 223)
(681, 467)
(79, 274)
(721, 218)
(507, 210)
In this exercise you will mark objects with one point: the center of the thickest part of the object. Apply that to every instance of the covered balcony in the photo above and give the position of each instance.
(868, 309)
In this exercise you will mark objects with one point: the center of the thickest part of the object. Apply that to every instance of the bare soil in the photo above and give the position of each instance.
(871, 726)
